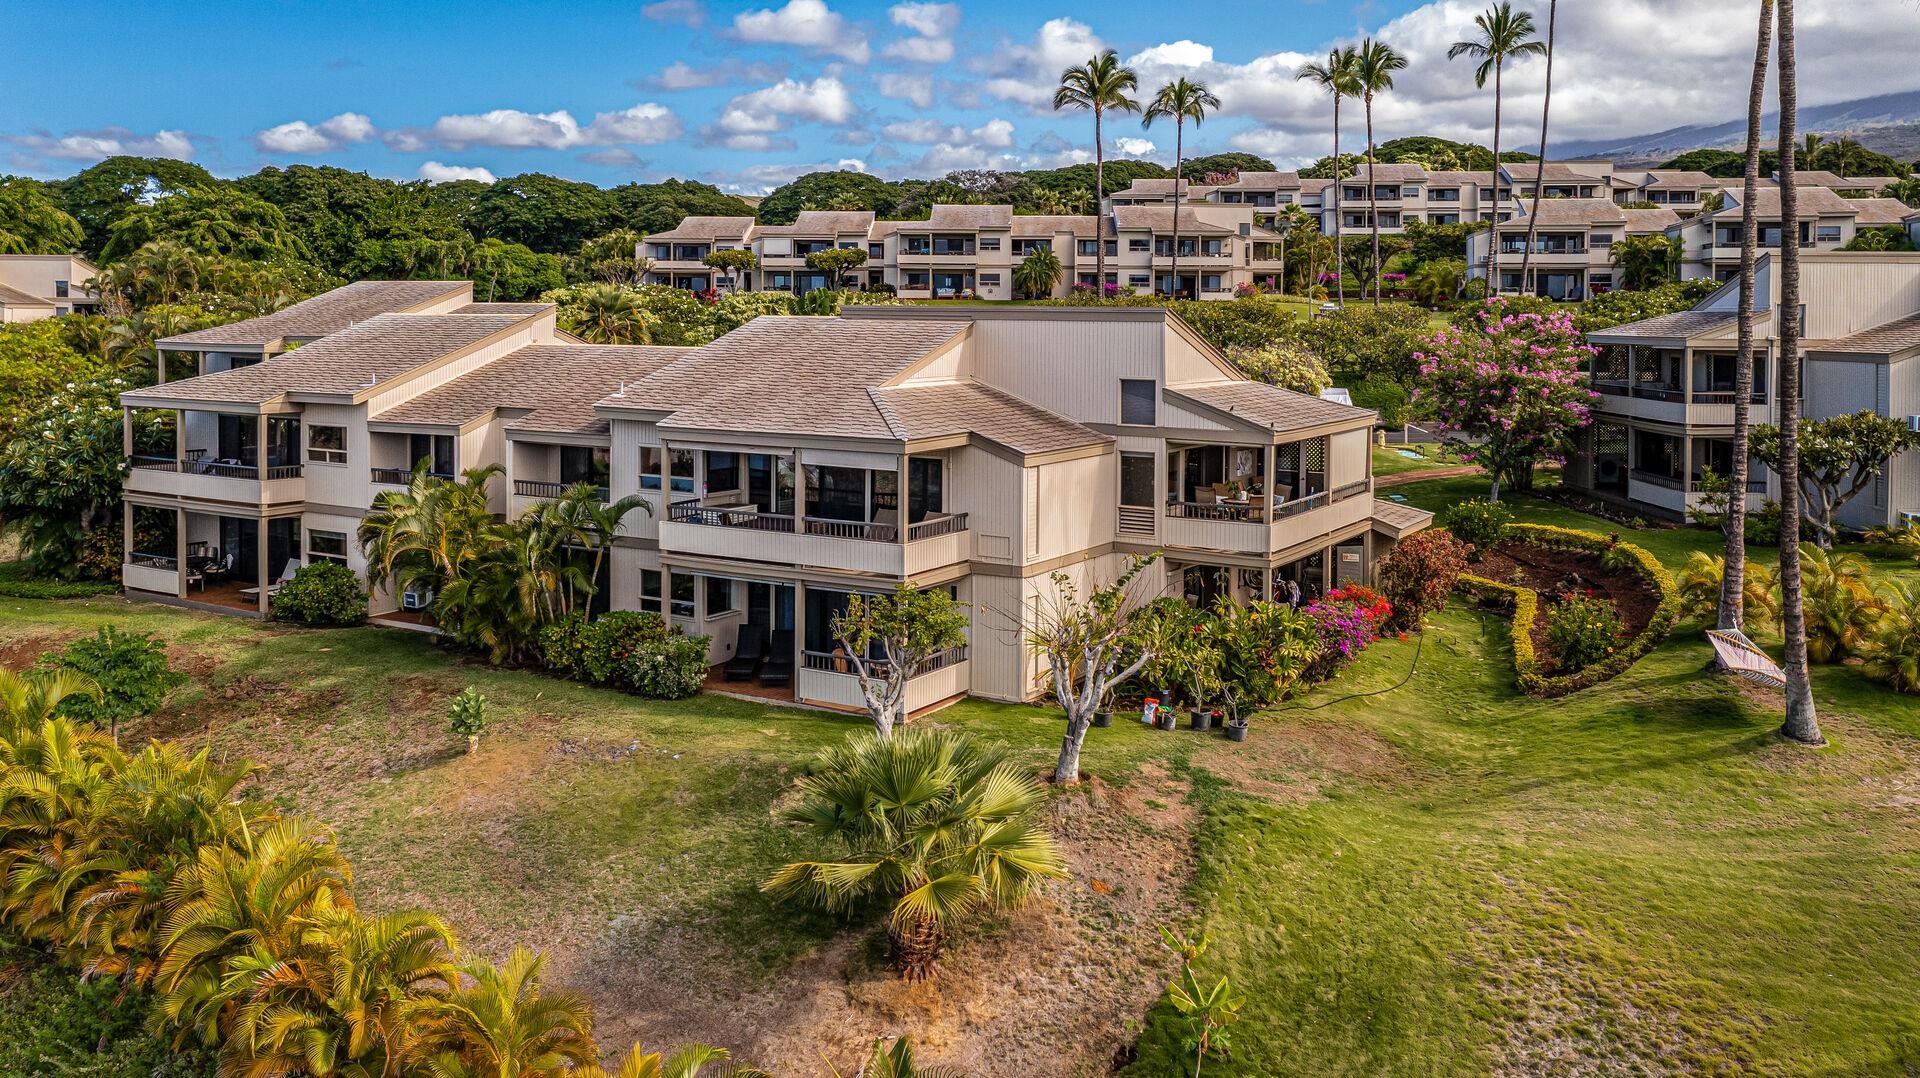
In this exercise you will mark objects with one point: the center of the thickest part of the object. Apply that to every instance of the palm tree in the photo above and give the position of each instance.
(50, 775)
(607, 314)
(930, 819)
(1373, 67)
(1339, 79)
(1732, 583)
(1100, 86)
(896, 1061)
(1809, 144)
(1504, 34)
(503, 1026)
(1179, 101)
(1038, 273)
(425, 534)
(1802, 723)
(689, 1062)
(1540, 177)
(29, 699)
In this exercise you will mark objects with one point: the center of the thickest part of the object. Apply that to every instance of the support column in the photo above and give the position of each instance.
(1686, 382)
(126, 432)
(180, 552)
(900, 500)
(1686, 469)
(260, 460)
(799, 496)
(126, 523)
(260, 559)
(180, 439)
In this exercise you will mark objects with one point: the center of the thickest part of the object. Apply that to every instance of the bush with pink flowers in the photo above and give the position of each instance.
(1347, 620)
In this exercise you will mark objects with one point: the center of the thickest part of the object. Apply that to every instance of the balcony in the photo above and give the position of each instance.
(829, 678)
(745, 533)
(543, 490)
(1249, 528)
(195, 475)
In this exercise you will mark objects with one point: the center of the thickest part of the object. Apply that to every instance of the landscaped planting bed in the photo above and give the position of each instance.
(1533, 563)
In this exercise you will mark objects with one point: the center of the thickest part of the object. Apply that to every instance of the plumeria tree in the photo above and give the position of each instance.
(911, 629)
(1512, 387)
(1091, 641)
(61, 472)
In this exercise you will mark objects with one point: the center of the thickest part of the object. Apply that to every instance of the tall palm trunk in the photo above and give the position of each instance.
(1802, 724)
(1493, 229)
(1373, 201)
(1099, 209)
(1540, 178)
(1173, 287)
(1339, 248)
(1733, 582)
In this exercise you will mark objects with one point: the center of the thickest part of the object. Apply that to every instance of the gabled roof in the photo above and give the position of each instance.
(1674, 177)
(1570, 213)
(1384, 172)
(1555, 172)
(1655, 220)
(1035, 225)
(357, 358)
(706, 228)
(917, 412)
(789, 374)
(822, 223)
(1261, 181)
(557, 384)
(1885, 339)
(1160, 219)
(1279, 410)
(13, 297)
(1464, 179)
(1811, 202)
(1879, 211)
(1680, 324)
(961, 218)
(328, 312)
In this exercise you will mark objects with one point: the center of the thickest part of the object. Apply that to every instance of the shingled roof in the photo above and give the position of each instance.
(1279, 410)
(1811, 202)
(1680, 324)
(1879, 211)
(822, 223)
(13, 297)
(1160, 219)
(326, 313)
(932, 411)
(557, 384)
(1571, 213)
(1885, 339)
(706, 228)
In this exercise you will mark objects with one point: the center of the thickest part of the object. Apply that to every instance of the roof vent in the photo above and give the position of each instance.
(622, 391)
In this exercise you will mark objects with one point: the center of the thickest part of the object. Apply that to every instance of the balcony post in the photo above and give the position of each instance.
(260, 555)
(180, 553)
(126, 536)
(799, 495)
(126, 431)
(260, 457)
(900, 499)
(1686, 382)
(180, 439)
(1270, 453)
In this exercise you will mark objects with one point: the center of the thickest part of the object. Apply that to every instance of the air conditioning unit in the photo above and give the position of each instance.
(1913, 422)
(416, 600)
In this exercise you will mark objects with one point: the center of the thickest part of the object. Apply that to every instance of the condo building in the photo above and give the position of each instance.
(33, 287)
(1825, 221)
(1572, 256)
(1664, 415)
(786, 466)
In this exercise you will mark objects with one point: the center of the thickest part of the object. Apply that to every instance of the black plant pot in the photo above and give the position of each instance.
(1167, 719)
(1199, 718)
(1103, 718)
(1236, 731)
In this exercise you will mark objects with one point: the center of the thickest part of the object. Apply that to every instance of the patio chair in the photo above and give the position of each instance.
(779, 667)
(749, 651)
(885, 527)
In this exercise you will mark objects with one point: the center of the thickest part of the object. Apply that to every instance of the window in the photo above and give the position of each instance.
(1136, 244)
(435, 449)
(327, 546)
(326, 445)
(649, 467)
(1827, 234)
(919, 280)
(681, 466)
(876, 250)
(1600, 239)
(681, 599)
(992, 279)
(60, 290)
(1137, 399)
(1137, 280)
(1210, 282)
(719, 596)
(1136, 479)
(989, 244)
(583, 464)
(723, 471)
(650, 591)
(925, 493)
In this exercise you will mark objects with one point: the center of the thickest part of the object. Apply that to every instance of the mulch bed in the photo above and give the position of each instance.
(1551, 571)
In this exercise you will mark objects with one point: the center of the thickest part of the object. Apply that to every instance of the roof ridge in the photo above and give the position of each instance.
(887, 414)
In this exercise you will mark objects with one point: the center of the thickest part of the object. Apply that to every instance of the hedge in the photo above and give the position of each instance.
(15, 583)
(1529, 670)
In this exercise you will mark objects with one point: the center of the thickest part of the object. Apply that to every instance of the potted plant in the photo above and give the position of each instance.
(1263, 649)
(1235, 727)
(1103, 715)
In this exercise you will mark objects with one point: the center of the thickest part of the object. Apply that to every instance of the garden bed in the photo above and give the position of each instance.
(1536, 561)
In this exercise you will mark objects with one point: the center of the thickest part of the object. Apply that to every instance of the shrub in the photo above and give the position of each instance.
(1764, 524)
(130, 670)
(670, 668)
(1582, 630)
(1383, 395)
(563, 645)
(613, 637)
(1893, 649)
(1283, 364)
(469, 716)
(1699, 589)
(321, 594)
(1478, 523)
(1417, 575)
(1346, 621)
(634, 651)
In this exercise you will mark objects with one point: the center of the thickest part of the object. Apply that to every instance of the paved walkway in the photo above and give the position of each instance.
(1401, 479)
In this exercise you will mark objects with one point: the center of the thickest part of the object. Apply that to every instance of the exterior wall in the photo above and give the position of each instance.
(40, 275)
(1068, 506)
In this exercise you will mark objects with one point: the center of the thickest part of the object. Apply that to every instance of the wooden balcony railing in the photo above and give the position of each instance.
(691, 511)
(196, 464)
(541, 488)
(946, 524)
(840, 663)
(398, 477)
(145, 560)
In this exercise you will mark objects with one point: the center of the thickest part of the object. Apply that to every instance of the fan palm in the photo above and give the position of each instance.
(608, 314)
(1373, 67)
(929, 819)
(1098, 86)
(1180, 100)
(1339, 78)
(1504, 34)
(1038, 273)
(246, 898)
(503, 1026)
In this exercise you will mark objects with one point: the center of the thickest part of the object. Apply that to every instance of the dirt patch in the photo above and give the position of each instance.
(1291, 762)
(1551, 572)
(1070, 971)
(20, 654)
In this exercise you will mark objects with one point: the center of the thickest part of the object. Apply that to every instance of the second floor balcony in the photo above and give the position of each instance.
(226, 457)
(1249, 499)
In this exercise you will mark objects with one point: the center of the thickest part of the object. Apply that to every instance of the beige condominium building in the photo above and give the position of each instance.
(1573, 240)
(678, 256)
(786, 466)
(1664, 417)
(1826, 221)
(33, 287)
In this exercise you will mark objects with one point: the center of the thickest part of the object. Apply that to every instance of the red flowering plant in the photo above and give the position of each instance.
(1512, 387)
(1347, 620)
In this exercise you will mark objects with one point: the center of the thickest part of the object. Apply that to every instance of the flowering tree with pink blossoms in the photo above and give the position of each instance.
(1512, 387)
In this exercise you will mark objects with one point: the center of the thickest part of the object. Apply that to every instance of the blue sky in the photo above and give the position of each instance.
(747, 94)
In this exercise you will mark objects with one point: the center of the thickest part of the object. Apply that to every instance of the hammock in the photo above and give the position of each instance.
(1742, 657)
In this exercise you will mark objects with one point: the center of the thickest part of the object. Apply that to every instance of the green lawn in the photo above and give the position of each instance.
(1390, 460)
(1445, 878)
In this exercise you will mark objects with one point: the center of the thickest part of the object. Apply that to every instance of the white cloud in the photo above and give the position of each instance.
(922, 130)
(301, 137)
(1029, 73)
(1134, 147)
(995, 133)
(914, 89)
(103, 142)
(808, 24)
(689, 13)
(932, 25)
(759, 179)
(435, 172)
(643, 124)
(681, 75)
(750, 119)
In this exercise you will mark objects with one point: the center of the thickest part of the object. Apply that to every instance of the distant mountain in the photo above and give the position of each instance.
(1886, 123)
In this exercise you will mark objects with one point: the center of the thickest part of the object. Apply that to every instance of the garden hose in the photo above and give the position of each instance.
(1418, 642)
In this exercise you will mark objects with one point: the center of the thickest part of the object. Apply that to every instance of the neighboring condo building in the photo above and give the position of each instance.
(1572, 246)
(33, 287)
(785, 466)
(1664, 417)
(1710, 242)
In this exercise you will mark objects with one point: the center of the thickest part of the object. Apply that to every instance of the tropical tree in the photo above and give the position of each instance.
(688, 1062)
(897, 1061)
(1436, 282)
(1702, 586)
(911, 629)
(1842, 608)
(503, 1026)
(425, 536)
(1732, 614)
(1180, 100)
(32, 223)
(612, 258)
(1540, 177)
(933, 821)
(1098, 86)
(1038, 273)
(1373, 67)
(1090, 645)
(605, 314)
(1893, 650)
(1645, 261)
(1802, 722)
(1504, 35)
(1338, 78)
(29, 699)
(1839, 458)
(731, 263)
(836, 262)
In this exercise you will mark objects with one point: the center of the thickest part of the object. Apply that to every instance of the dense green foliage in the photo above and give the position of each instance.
(52, 1022)
(32, 222)
(1477, 522)
(36, 361)
(630, 650)
(321, 594)
(1582, 630)
(128, 670)
(60, 481)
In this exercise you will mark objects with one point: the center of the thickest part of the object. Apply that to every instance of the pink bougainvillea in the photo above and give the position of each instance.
(1514, 387)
